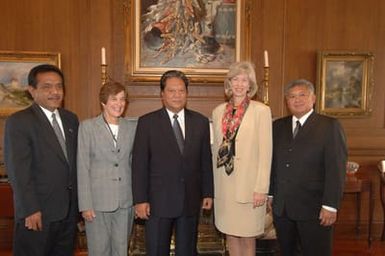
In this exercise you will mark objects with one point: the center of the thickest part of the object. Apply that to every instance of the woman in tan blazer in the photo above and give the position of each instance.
(242, 154)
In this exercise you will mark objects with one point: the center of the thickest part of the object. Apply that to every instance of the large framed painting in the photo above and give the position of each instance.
(345, 83)
(201, 38)
(14, 69)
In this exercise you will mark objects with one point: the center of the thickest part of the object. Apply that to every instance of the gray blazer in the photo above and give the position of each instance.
(104, 171)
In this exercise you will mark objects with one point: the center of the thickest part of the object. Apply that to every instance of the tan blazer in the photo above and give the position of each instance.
(253, 149)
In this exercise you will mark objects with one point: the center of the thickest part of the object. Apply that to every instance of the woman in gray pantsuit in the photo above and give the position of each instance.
(104, 174)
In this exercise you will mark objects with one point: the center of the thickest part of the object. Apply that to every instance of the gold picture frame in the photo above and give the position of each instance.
(345, 83)
(14, 69)
(154, 44)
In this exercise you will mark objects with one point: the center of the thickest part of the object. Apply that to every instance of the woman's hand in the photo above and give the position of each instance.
(259, 199)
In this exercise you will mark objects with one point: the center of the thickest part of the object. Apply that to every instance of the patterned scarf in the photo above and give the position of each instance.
(231, 121)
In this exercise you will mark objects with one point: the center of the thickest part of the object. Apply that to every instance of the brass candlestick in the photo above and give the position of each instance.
(266, 85)
(104, 73)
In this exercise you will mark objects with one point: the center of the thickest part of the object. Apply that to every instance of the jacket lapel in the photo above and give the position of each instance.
(189, 131)
(70, 137)
(168, 132)
(104, 134)
(307, 126)
(243, 123)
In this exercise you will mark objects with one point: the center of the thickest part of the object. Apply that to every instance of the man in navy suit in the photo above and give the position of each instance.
(307, 176)
(42, 168)
(172, 170)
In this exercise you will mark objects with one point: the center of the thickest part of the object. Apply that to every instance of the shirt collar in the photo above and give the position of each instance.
(303, 119)
(49, 113)
(180, 115)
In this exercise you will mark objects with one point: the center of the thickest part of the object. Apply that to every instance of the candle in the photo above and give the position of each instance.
(266, 58)
(103, 56)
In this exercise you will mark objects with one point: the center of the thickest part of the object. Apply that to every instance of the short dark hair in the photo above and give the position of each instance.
(111, 88)
(170, 74)
(44, 68)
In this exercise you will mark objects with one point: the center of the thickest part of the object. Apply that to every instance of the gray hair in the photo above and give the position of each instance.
(238, 68)
(299, 82)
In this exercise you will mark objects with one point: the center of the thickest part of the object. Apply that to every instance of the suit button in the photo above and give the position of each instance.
(116, 165)
(182, 180)
(119, 179)
(290, 149)
(69, 187)
(287, 165)
(118, 150)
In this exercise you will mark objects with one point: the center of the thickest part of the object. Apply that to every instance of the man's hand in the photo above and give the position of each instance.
(88, 215)
(327, 218)
(142, 211)
(207, 203)
(259, 199)
(33, 222)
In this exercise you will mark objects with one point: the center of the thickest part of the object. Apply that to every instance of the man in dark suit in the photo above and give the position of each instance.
(172, 170)
(308, 172)
(41, 167)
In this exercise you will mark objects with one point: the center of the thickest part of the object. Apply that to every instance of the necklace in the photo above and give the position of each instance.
(109, 129)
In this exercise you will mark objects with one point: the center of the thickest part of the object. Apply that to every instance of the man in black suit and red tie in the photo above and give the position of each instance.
(308, 173)
(172, 170)
(40, 157)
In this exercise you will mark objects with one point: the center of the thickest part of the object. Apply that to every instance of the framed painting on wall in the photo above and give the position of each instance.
(14, 69)
(201, 38)
(345, 83)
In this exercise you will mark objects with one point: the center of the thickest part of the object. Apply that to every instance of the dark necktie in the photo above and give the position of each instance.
(59, 134)
(178, 133)
(296, 129)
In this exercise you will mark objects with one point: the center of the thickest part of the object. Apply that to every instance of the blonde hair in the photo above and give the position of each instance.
(237, 68)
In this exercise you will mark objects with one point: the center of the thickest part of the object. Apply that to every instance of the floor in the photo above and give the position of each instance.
(347, 243)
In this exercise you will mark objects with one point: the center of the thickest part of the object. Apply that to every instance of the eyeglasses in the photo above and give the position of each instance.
(300, 96)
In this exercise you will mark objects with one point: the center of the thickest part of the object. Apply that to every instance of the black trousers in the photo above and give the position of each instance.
(57, 238)
(158, 235)
(306, 238)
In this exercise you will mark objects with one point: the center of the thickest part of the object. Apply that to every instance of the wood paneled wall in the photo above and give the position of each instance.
(291, 30)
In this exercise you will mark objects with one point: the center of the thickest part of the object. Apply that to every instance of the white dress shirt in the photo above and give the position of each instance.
(302, 120)
(180, 119)
(58, 119)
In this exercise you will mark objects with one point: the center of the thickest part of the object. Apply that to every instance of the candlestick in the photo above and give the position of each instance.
(266, 85)
(104, 56)
(104, 73)
(266, 57)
